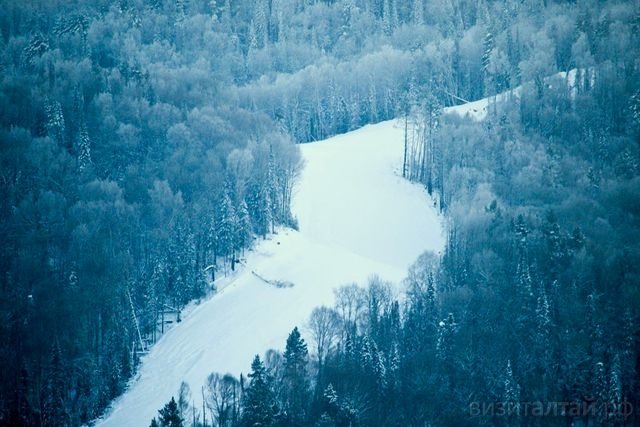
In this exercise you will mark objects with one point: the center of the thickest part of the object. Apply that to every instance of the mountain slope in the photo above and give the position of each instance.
(357, 217)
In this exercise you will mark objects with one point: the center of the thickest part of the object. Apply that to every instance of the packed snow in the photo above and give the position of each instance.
(357, 216)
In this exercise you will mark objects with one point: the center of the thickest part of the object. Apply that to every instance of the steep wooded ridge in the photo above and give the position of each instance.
(145, 144)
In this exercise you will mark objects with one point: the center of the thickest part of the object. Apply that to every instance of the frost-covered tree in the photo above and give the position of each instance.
(56, 127)
(418, 12)
(634, 106)
(511, 393)
(83, 148)
(226, 226)
(389, 16)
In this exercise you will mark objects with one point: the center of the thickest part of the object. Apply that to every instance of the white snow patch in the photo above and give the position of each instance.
(478, 110)
(357, 218)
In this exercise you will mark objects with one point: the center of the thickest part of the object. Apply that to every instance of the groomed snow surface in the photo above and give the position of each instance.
(357, 218)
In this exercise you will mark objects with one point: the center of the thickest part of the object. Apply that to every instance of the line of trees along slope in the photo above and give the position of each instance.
(338, 65)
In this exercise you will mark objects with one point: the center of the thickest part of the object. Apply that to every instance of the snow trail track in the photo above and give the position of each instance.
(357, 218)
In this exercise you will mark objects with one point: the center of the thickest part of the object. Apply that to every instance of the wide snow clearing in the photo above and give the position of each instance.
(358, 217)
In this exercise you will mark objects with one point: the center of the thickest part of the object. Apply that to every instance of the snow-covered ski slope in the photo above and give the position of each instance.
(357, 217)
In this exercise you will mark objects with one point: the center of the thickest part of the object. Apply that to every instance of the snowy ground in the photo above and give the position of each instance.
(357, 218)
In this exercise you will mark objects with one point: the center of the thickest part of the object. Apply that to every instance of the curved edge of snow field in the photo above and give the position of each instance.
(358, 217)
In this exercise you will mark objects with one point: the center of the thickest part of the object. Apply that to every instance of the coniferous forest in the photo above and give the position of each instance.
(146, 145)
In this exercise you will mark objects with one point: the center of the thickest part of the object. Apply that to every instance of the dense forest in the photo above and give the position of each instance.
(126, 188)
(147, 143)
(530, 316)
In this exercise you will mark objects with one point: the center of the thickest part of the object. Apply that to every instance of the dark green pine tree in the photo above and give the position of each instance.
(154, 423)
(488, 45)
(445, 347)
(259, 408)
(170, 415)
(55, 413)
(296, 352)
(297, 385)
(259, 204)
(556, 249)
(21, 412)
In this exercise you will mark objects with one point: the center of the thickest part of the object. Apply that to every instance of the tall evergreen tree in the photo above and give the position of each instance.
(296, 379)
(169, 416)
(511, 393)
(259, 406)
(244, 227)
(226, 224)
(55, 411)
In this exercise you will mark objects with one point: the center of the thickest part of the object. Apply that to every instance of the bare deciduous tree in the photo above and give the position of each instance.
(222, 398)
(351, 302)
(324, 325)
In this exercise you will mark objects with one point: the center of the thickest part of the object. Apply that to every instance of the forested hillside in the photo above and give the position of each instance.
(147, 143)
(126, 170)
(529, 317)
